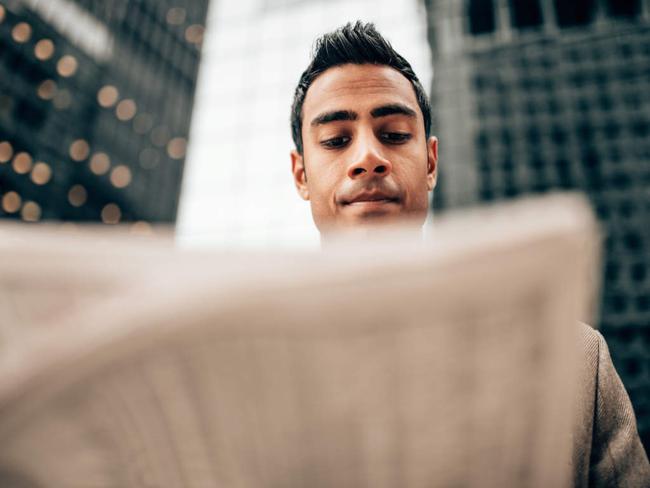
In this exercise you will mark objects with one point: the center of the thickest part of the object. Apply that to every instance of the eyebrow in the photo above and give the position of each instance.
(383, 111)
(327, 117)
(392, 109)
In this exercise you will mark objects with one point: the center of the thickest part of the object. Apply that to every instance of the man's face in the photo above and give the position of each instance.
(366, 159)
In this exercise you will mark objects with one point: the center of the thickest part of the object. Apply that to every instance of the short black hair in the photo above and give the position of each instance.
(357, 43)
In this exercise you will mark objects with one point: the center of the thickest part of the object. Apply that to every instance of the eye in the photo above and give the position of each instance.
(335, 142)
(395, 137)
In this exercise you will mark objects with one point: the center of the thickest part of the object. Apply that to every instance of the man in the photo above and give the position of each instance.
(361, 128)
(364, 156)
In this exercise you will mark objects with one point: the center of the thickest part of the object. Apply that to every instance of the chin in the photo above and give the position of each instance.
(367, 222)
(375, 218)
(388, 216)
(369, 217)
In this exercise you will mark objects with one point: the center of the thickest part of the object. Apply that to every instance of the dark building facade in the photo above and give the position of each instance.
(540, 95)
(95, 106)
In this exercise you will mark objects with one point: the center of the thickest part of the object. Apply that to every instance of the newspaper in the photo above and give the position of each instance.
(443, 362)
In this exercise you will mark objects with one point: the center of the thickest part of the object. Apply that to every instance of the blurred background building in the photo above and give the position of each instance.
(529, 96)
(532, 96)
(95, 105)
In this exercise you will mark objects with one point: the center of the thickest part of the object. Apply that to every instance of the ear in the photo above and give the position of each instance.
(299, 175)
(432, 162)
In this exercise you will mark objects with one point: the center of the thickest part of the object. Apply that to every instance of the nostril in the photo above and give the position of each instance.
(380, 169)
(358, 171)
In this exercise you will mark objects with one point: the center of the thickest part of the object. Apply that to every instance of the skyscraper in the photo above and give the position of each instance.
(95, 106)
(534, 96)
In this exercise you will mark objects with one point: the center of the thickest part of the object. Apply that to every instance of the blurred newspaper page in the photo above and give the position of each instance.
(48, 271)
(398, 363)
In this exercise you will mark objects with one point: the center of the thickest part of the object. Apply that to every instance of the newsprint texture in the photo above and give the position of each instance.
(444, 362)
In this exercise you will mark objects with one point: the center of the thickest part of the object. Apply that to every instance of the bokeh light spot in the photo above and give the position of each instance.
(41, 173)
(177, 147)
(44, 49)
(107, 96)
(21, 32)
(77, 195)
(100, 163)
(176, 16)
(22, 163)
(111, 214)
(126, 110)
(6, 151)
(79, 150)
(121, 176)
(11, 202)
(194, 34)
(67, 66)
(31, 212)
(46, 90)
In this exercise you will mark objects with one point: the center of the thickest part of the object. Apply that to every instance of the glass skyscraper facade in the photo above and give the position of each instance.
(537, 96)
(95, 106)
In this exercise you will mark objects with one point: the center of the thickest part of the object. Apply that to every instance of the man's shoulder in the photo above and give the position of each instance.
(591, 348)
(607, 448)
(590, 341)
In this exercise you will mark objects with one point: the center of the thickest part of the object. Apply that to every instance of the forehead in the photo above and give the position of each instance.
(359, 88)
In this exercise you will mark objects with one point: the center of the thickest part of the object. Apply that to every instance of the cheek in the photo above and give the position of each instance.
(413, 178)
(412, 166)
(323, 179)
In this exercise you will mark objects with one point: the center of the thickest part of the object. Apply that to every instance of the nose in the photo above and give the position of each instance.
(368, 163)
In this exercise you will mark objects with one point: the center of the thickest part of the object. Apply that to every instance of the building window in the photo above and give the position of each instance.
(576, 12)
(525, 13)
(623, 8)
(481, 16)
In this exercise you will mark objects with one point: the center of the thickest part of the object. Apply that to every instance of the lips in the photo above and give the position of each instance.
(371, 197)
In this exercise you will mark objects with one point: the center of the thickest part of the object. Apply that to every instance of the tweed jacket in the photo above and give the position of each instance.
(607, 450)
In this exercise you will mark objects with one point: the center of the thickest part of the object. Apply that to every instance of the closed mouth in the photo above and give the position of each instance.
(371, 197)
(372, 200)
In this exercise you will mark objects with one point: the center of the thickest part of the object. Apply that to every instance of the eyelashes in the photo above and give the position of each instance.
(396, 137)
(392, 138)
(335, 142)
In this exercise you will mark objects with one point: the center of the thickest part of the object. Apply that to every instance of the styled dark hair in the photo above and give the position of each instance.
(357, 43)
